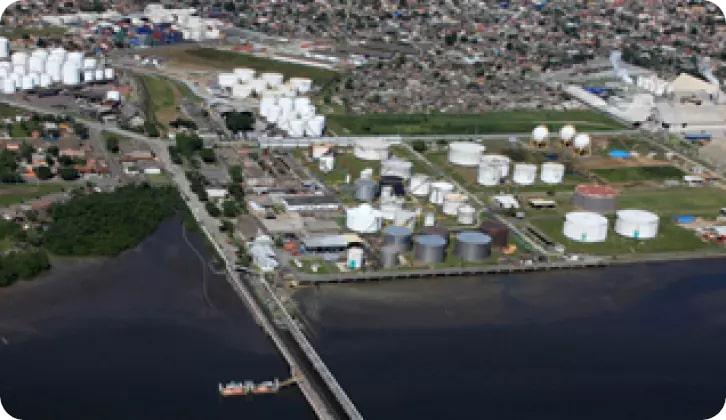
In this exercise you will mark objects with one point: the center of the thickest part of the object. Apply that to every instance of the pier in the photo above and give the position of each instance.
(370, 276)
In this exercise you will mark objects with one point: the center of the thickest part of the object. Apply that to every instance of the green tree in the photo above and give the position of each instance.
(112, 143)
(239, 121)
(208, 155)
(419, 146)
(229, 209)
(68, 173)
(212, 209)
(43, 172)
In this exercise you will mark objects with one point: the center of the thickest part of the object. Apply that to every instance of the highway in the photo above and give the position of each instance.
(319, 386)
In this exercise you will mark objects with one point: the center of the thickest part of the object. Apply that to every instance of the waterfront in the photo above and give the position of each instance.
(135, 337)
(637, 341)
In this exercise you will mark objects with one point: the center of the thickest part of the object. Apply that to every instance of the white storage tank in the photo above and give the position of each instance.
(98, 76)
(226, 80)
(552, 173)
(419, 185)
(363, 219)
(326, 163)
(297, 128)
(241, 91)
(113, 95)
(4, 48)
(371, 149)
(452, 203)
(315, 126)
(585, 226)
(20, 69)
(396, 167)
(439, 190)
(109, 73)
(488, 175)
(88, 76)
(36, 63)
(19, 58)
(75, 57)
(45, 81)
(90, 63)
(540, 135)
(71, 74)
(465, 153)
(466, 215)
(524, 173)
(567, 134)
(354, 260)
(54, 67)
(27, 83)
(500, 162)
(272, 79)
(8, 87)
(301, 104)
(301, 85)
(637, 224)
(244, 74)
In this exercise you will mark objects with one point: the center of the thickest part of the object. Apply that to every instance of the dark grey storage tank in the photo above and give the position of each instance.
(473, 246)
(365, 190)
(389, 256)
(399, 237)
(429, 249)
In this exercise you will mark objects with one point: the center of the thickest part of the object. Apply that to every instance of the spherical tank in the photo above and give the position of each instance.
(567, 133)
(540, 134)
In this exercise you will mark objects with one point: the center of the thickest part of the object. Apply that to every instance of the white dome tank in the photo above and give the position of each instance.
(20, 69)
(45, 81)
(452, 203)
(273, 114)
(113, 95)
(71, 74)
(524, 173)
(540, 135)
(552, 173)
(585, 226)
(90, 63)
(75, 57)
(89, 76)
(567, 133)
(286, 104)
(363, 219)
(99, 75)
(637, 224)
(258, 86)
(420, 185)
(581, 142)
(371, 149)
(244, 74)
(297, 128)
(465, 153)
(4, 48)
(439, 189)
(301, 103)
(54, 67)
(17, 80)
(19, 58)
(241, 91)
(109, 73)
(301, 85)
(36, 64)
(500, 162)
(27, 82)
(488, 175)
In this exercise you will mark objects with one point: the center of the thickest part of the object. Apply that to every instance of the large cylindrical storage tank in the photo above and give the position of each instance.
(315, 126)
(297, 128)
(244, 74)
(45, 81)
(438, 230)
(89, 76)
(371, 149)
(109, 73)
(488, 175)
(19, 58)
(301, 85)
(466, 215)
(585, 226)
(419, 185)
(452, 202)
(27, 82)
(524, 173)
(465, 153)
(396, 167)
(439, 190)
(596, 198)
(36, 64)
(226, 80)
(54, 67)
(637, 224)
(399, 237)
(8, 86)
(4, 48)
(241, 91)
(500, 162)
(365, 190)
(389, 256)
(429, 249)
(272, 80)
(552, 173)
(75, 57)
(473, 246)
(497, 231)
(20, 69)
(363, 219)
(98, 75)
(301, 104)
(396, 184)
(90, 63)
(258, 86)
(71, 74)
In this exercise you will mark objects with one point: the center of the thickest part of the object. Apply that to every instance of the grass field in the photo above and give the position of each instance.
(227, 60)
(488, 123)
(640, 173)
(18, 193)
(163, 98)
(41, 32)
(345, 163)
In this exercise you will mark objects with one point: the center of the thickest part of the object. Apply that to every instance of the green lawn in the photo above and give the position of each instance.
(640, 173)
(24, 32)
(487, 123)
(345, 163)
(17, 193)
(667, 202)
(10, 111)
(227, 60)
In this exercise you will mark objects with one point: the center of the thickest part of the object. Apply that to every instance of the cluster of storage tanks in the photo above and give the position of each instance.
(430, 247)
(192, 26)
(568, 136)
(282, 104)
(493, 168)
(590, 224)
(45, 68)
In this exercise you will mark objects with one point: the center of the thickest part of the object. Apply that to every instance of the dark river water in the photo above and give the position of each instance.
(135, 337)
(639, 342)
